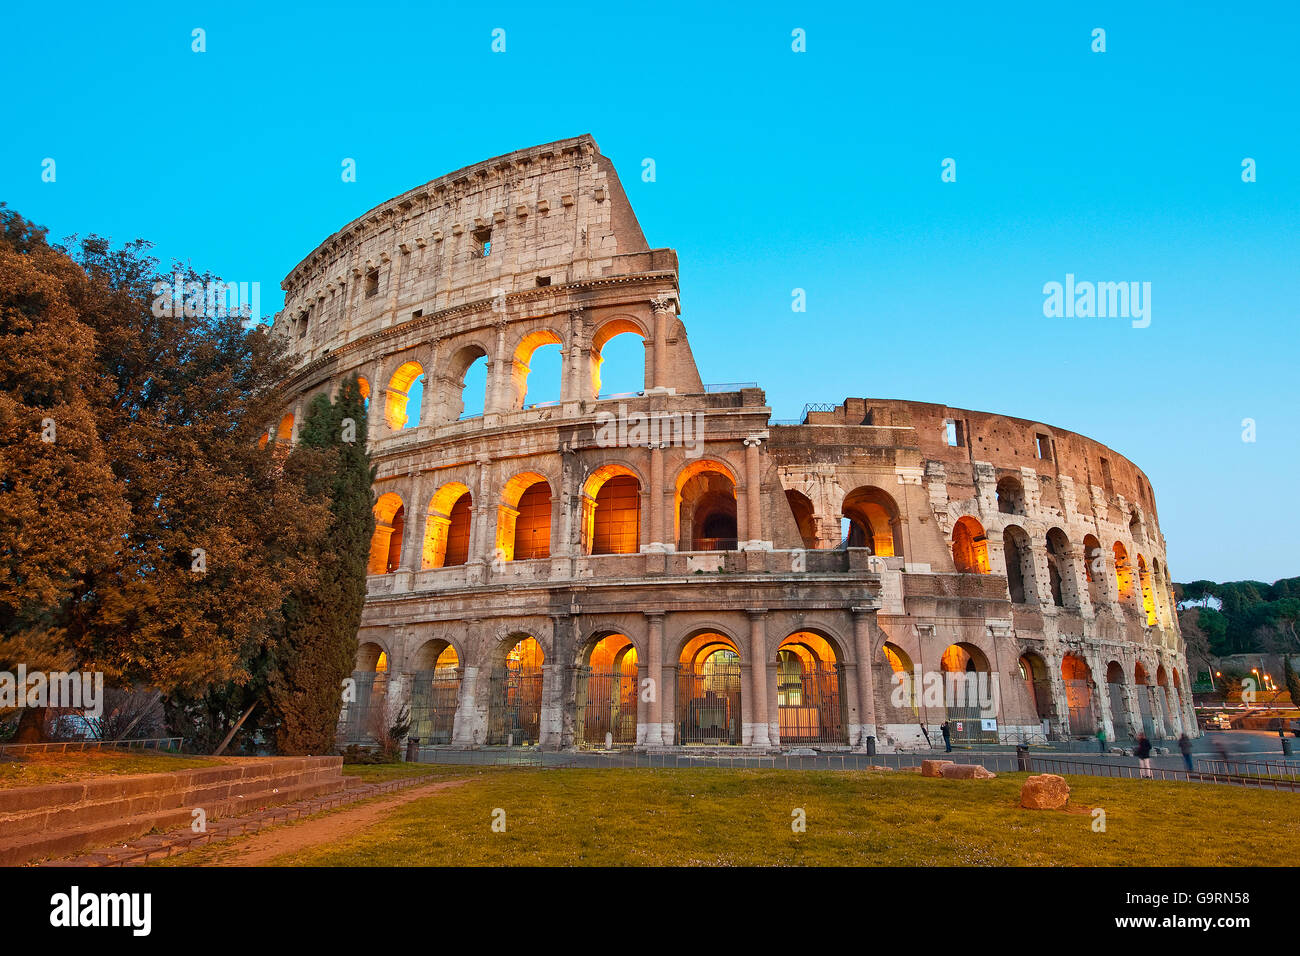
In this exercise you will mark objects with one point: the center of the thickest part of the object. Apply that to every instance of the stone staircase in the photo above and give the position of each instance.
(64, 819)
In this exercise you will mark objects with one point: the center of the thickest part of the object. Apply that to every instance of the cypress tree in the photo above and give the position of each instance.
(319, 642)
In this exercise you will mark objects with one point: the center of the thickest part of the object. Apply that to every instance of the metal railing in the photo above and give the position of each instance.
(167, 744)
(728, 386)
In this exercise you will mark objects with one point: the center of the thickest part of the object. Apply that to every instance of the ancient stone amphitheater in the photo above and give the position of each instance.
(669, 567)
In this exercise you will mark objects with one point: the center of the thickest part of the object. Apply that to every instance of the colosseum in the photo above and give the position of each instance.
(669, 567)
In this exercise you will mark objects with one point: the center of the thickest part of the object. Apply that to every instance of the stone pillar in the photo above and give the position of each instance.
(655, 538)
(482, 537)
(754, 498)
(864, 621)
(758, 678)
(664, 309)
(417, 514)
(499, 374)
(654, 735)
(852, 704)
(394, 285)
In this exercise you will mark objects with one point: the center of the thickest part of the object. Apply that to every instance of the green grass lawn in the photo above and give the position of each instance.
(743, 817)
(37, 769)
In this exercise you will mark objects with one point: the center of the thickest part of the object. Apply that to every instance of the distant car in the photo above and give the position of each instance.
(1218, 722)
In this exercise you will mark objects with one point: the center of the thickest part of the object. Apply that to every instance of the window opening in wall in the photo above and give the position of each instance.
(372, 283)
(417, 313)
(543, 281)
(1105, 476)
(482, 242)
(952, 433)
(1044, 447)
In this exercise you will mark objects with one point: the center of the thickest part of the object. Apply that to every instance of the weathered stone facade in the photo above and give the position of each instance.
(686, 587)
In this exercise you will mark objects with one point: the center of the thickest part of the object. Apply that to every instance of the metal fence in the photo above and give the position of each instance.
(810, 707)
(433, 705)
(606, 707)
(515, 705)
(708, 703)
(162, 744)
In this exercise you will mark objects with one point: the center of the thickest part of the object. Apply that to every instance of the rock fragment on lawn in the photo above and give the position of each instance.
(934, 768)
(966, 771)
(1045, 791)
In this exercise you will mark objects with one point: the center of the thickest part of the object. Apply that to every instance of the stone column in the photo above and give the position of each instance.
(499, 374)
(654, 731)
(758, 677)
(754, 497)
(864, 619)
(664, 308)
(417, 514)
(657, 540)
(482, 537)
(852, 704)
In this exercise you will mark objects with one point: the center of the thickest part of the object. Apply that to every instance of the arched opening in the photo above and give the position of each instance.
(405, 393)
(618, 357)
(463, 386)
(284, 431)
(1020, 566)
(606, 692)
(809, 691)
(515, 695)
(970, 546)
(901, 693)
(708, 691)
(706, 508)
(1115, 691)
(386, 542)
(363, 714)
(1144, 693)
(446, 533)
(611, 511)
(1093, 567)
(968, 696)
(537, 370)
(1134, 525)
(1033, 671)
(1059, 576)
(524, 519)
(363, 385)
(1078, 694)
(875, 522)
(1123, 573)
(1148, 593)
(1011, 496)
(435, 689)
(802, 509)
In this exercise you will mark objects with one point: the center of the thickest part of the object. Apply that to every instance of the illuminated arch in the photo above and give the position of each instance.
(900, 663)
(706, 507)
(810, 692)
(966, 692)
(1077, 678)
(284, 431)
(611, 329)
(386, 542)
(709, 679)
(970, 548)
(396, 411)
(606, 691)
(1123, 572)
(875, 521)
(523, 355)
(611, 511)
(524, 518)
(1033, 671)
(435, 692)
(1148, 592)
(515, 692)
(447, 529)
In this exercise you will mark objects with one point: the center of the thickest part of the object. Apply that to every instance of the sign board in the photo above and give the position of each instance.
(987, 724)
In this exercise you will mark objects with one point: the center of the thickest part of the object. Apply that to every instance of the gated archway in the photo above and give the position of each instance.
(809, 691)
(1115, 690)
(968, 695)
(435, 688)
(1078, 695)
(708, 691)
(1038, 685)
(515, 695)
(606, 693)
(362, 716)
(1144, 700)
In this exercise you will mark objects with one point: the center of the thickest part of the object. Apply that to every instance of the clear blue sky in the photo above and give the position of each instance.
(775, 170)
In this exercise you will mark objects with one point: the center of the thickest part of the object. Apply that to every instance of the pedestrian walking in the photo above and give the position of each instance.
(1101, 740)
(1143, 752)
(1185, 745)
(947, 737)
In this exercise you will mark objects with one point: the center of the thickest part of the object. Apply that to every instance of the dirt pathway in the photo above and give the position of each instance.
(261, 848)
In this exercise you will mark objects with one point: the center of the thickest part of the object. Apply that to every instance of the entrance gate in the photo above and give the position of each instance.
(1118, 712)
(809, 704)
(515, 707)
(1078, 697)
(433, 705)
(964, 715)
(1144, 709)
(606, 705)
(361, 720)
(708, 710)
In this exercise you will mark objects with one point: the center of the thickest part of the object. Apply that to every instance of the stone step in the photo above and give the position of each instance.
(123, 825)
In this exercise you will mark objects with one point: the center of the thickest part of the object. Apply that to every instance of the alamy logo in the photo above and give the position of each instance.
(82, 691)
(133, 910)
(650, 430)
(1102, 300)
(970, 690)
(215, 299)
